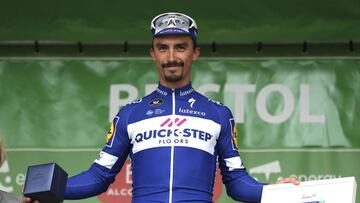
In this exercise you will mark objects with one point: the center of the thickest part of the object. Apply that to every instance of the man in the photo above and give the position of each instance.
(174, 136)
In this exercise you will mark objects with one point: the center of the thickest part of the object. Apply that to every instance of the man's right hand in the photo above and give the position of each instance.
(28, 200)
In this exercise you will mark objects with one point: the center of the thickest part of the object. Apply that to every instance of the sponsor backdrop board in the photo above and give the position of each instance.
(295, 116)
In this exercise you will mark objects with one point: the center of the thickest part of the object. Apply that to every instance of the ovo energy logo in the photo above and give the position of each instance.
(267, 169)
(274, 168)
(5, 169)
(6, 180)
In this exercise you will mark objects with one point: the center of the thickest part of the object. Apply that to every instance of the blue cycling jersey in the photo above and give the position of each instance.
(175, 138)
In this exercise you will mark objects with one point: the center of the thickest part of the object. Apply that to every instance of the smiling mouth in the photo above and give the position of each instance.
(173, 65)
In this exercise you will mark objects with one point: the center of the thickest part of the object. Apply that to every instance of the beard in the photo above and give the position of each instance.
(173, 77)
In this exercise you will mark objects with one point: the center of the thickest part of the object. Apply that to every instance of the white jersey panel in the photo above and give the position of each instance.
(174, 130)
(105, 159)
(234, 163)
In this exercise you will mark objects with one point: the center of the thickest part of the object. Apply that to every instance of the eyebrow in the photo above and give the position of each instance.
(185, 44)
(182, 45)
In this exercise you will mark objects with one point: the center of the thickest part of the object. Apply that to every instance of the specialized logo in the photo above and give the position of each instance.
(111, 133)
(191, 101)
(156, 102)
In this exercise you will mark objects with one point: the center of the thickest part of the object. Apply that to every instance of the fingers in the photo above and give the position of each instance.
(28, 200)
(291, 179)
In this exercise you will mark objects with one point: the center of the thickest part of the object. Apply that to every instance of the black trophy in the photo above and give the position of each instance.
(46, 183)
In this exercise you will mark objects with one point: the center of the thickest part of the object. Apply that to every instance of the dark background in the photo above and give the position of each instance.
(230, 21)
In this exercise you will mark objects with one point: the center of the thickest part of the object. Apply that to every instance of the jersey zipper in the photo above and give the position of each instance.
(172, 150)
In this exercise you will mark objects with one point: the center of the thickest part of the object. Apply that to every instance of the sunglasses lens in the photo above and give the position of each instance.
(173, 23)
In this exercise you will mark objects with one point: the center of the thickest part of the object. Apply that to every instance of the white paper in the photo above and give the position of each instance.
(338, 190)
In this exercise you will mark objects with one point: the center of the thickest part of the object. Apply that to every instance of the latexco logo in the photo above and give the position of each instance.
(6, 180)
(275, 168)
(192, 112)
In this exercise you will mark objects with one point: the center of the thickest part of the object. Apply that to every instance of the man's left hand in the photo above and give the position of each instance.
(291, 179)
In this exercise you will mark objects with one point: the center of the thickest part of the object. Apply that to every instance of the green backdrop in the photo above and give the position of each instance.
(295, 116)
(220, 21)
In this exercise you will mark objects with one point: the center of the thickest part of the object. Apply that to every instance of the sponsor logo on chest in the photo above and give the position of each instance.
(171, 130)
(192, 112)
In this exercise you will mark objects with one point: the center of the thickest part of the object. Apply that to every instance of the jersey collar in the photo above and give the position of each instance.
(181, 91)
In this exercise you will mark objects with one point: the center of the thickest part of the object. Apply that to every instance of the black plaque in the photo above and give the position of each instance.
(45, 182)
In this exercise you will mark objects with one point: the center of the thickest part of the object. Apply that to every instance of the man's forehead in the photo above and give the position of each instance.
(173, 39)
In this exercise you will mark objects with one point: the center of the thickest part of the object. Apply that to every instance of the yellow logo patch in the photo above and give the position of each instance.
(235, 136)
(111, 132)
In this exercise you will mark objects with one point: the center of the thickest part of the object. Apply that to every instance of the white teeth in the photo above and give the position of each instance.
(173, 67)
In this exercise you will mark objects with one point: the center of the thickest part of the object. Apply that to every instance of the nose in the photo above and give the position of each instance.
(171, 55)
